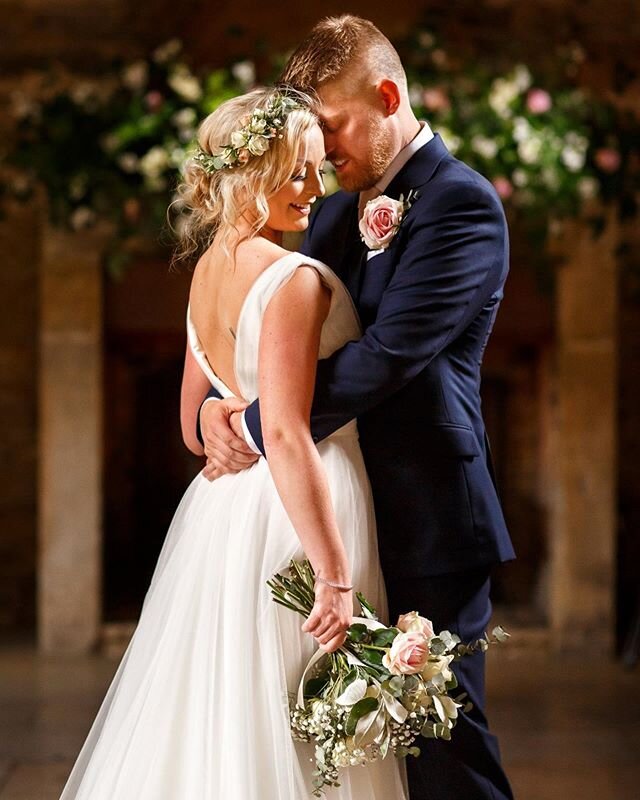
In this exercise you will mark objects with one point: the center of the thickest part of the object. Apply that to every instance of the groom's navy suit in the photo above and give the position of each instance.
(427, 305)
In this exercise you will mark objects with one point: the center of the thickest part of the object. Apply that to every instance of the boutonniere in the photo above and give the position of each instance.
(382, 218)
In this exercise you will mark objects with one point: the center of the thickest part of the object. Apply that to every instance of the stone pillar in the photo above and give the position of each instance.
(70, 395)
(583, 485)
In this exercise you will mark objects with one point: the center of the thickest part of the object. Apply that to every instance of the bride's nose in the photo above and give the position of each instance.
(319, 189)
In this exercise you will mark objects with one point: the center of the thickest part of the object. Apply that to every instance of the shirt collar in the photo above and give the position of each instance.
(424, 135)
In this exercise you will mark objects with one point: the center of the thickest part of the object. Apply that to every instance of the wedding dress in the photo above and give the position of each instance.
(198, 708)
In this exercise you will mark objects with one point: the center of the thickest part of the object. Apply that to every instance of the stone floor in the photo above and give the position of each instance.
(569, 728)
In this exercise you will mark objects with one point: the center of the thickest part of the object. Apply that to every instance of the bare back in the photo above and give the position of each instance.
(218, 290)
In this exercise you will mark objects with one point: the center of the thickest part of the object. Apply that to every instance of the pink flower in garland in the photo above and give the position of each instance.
(607, 159)
(539, 101)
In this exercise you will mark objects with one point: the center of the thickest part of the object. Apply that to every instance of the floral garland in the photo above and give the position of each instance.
(113, 149)
(253, 139)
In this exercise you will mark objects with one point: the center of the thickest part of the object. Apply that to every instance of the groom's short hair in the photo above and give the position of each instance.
(336, 44)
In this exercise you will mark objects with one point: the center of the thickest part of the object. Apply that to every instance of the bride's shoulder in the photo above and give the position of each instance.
(259, 253)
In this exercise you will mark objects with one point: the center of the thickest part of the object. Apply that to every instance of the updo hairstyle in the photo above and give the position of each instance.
(211, 203)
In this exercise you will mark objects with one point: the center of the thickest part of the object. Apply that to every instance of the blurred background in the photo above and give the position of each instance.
(98, 107)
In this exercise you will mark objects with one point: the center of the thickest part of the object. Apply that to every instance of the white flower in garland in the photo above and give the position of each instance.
(167, 51)
(485, 147)
(136, 75)
(587, 188)
(185, 84)
(245, 73)
(154, 162)
(529, 149)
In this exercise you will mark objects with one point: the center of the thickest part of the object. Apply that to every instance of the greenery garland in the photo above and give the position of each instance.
(112, 149)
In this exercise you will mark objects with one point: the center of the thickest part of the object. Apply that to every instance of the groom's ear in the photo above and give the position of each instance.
(389, 94)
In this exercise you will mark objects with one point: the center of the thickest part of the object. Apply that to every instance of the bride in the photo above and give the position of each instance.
(198, 708)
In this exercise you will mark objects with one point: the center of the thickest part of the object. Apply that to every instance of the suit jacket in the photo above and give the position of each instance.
(427, 305)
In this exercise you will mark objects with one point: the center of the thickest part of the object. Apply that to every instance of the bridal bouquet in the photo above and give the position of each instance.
(377, 693)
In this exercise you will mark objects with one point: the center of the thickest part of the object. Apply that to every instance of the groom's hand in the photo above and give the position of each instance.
(224, 446)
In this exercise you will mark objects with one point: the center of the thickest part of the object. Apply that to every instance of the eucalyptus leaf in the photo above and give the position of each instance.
(450, 639)
(437, 647)
(500, 634)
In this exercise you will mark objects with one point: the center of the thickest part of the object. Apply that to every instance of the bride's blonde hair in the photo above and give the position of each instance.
(211, 201)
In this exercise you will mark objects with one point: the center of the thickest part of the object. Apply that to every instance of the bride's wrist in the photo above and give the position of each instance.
(343, 585)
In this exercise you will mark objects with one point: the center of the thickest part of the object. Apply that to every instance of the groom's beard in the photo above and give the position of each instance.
(372, 161)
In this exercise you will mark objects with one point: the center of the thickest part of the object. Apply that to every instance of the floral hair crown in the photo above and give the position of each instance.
(253, 139)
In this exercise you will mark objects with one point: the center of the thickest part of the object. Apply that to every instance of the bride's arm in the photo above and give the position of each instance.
(289, 344)
(194, 386)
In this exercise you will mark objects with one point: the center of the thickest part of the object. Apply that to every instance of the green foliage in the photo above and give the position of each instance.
(112, 149)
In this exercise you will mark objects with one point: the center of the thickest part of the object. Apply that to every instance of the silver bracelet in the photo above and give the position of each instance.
(339, 586)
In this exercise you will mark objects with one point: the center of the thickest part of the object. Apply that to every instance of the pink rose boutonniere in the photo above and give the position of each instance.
(382, 218)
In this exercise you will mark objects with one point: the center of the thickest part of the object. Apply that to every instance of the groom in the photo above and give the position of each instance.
(427, 303)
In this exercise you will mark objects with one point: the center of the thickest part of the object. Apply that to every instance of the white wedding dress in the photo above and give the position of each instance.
(198, 708)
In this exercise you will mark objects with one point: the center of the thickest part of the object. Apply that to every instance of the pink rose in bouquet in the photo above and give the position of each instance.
(408, 655)
(414, 622)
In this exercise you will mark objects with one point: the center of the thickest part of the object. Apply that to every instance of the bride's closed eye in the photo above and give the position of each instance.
(302, 176)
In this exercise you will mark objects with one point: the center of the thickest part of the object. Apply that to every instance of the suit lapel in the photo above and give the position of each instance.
(354, 251)
(420, 168)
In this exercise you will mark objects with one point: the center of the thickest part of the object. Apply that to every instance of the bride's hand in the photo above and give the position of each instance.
(330, 617)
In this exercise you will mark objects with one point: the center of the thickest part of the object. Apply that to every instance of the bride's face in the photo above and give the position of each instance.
(289, 207)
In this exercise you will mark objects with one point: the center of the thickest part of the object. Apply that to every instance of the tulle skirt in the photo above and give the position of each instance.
(198, 708)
